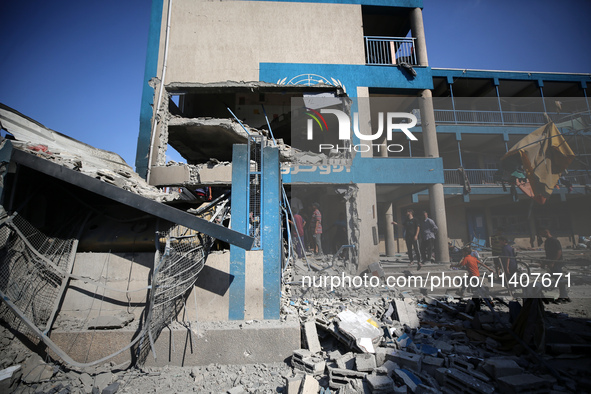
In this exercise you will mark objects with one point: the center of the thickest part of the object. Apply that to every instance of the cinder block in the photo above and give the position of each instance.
(380, 356)
(380, 383)
(405, 359)
(498, 368)
(365, 362)
(444, 346)
(303, 361)
(310, 385)
(459, 381)
(339, 378)
(347, 361)
(312, 336)
(407, 378)
(523, 383)
(430, 364)
(293, 384)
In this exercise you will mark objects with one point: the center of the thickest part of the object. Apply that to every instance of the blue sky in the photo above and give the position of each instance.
(77, 66)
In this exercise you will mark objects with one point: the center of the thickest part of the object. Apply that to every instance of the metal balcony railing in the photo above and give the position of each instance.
(486, 177)
(475, 177)
(508, 118)
(390, 51)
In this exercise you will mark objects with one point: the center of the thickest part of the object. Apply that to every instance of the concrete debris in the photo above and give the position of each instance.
(311, 336)
(119, 320)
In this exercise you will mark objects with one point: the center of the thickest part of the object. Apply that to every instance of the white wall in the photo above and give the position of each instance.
(226, 40)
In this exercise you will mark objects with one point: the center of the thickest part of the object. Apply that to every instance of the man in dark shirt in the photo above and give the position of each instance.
(554, 265)
(411, 236)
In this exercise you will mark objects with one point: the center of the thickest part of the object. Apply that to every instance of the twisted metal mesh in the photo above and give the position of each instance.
(32, 267)
(180, 257)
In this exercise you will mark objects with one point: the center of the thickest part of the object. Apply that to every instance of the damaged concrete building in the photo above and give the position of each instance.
(213, 79)
(190, 263)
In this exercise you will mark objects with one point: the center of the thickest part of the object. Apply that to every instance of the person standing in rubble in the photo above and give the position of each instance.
(428, 231)
(554, 263)
(507, 256)
(317, 228)
(411, 228)
(470, 263)
(496, 246)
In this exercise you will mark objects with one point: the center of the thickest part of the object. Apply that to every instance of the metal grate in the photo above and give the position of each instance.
(32, 268)
(255, 176)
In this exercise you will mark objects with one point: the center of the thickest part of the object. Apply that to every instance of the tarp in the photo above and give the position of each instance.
(544, 155)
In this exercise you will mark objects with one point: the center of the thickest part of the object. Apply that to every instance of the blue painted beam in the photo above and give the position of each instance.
(236, 293)
(150, 70)
(271, 233)
(371, 170)
(350, 75)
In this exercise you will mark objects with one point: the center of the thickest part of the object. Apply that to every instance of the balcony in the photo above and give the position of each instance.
(475, 177)
(390, 51)
(486, 177)
(504, 118)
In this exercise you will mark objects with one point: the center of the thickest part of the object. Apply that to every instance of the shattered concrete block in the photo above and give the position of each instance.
(87, 382)
(427, 349)
(460, 337)
(340, 378)
(293, 384)
(430, 364)
(9, 377)
(113, 387)
(403, 341)
(380, 356)
(311, 336)
(365, 362)
(498, 368)
(440, 374)
(463, 350)
(399, 389)
(467, 367)
(407, 378)
(444, 346)
(424, 389)
(405, 359)
(310, 385)
(36, 370)
(347, 361)
(311, 365)
(387, 368)
(457, 380)
(523, 383)
(102, 380)
(406, 313)
(380, 383)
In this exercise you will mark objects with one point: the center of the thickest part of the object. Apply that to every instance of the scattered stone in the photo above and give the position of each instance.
(35, 370)
(311, 336)
(310, 385)
(365, 362)
(380, 383)
(111, 389)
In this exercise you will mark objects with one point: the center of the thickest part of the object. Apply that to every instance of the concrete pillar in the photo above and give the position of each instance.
(436, 195)
(418, 31)
(437, 207)
(390, 241)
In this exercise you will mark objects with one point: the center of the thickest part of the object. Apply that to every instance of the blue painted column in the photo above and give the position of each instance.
(240, 224)
(146, 110)
(271, 233)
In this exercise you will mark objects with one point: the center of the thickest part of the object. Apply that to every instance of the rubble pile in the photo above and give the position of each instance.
(411, 344)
